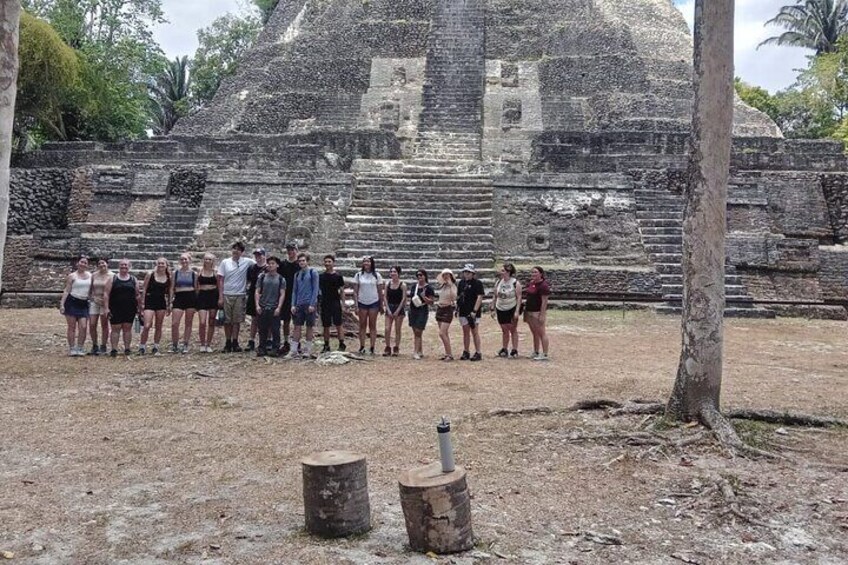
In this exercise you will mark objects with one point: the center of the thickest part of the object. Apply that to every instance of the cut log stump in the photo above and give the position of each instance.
(437, 509)
(335, 494)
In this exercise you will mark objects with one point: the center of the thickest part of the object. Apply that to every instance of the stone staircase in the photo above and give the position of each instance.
(168, 235)
(420, 214)
(451, 120)
(660, 218)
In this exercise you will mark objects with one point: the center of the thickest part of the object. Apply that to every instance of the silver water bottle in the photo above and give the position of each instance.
(445, 446)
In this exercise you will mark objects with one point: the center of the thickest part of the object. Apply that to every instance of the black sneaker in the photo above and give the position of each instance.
(465, 356)
(477, 357)
(237, 348)
(503, 353)
(228, 348)
(127, 352)
(362, 351)
(342, 346)
(274, 352)
(326, 348)
(286, 348)
(371, 352)
(114, 353)
(513, 354)
(94, 350)
(251, 345)
(260, 352)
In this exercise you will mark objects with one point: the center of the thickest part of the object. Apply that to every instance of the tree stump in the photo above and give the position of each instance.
(335, 494)
(437, 509)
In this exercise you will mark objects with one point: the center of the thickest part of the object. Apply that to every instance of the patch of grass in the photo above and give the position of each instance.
(755, 434)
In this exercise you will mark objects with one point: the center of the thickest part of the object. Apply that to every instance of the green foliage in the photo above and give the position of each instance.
(757, 97)
(266, 8)
(169, 96)
(813, 24)
(118, 58)
(49, 74)
(221, 46)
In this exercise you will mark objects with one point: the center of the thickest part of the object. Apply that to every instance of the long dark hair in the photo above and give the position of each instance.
(541, 271)
(373, 266)
(422, 272)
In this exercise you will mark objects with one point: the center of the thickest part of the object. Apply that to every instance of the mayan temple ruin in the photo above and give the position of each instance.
(439, 132)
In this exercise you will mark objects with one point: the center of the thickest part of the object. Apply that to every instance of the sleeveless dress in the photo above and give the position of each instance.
(123, 306)
(394, 296)
(154, 299)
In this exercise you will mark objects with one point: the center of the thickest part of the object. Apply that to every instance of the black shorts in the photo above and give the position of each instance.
(155, 302)
(207, 300)
(251, 303)
(286, 314)
(122, 313)
(184, 301)
(506, 316)
(331, 314)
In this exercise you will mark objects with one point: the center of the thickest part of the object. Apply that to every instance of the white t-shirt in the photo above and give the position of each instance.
(368, 284)
(235, 275)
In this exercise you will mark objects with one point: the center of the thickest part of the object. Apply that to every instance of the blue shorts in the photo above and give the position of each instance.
(303, 317)
(375, 306)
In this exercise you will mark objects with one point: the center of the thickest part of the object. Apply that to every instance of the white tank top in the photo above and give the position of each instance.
(80, 288)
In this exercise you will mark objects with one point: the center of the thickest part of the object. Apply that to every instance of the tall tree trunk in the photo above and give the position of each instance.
(698, 386)
(10, 14)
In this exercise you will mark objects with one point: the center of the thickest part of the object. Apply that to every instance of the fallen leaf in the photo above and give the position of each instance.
(7, 554)
(432, 555)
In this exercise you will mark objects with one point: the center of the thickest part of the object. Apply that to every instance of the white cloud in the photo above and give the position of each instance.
(770, 66)
(179, 36)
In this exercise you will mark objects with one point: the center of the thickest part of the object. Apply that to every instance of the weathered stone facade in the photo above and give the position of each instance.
(433, 133)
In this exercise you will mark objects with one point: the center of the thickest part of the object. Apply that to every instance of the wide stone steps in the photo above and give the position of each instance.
(412, 221)
(411, 233)
(729, 312)
(447, 207)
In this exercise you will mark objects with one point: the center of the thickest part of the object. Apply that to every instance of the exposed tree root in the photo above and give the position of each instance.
(729, 495)
(785, 418)
(727, 436)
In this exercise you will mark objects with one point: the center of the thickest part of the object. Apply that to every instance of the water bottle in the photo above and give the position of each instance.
(137, 325)
(445, 446)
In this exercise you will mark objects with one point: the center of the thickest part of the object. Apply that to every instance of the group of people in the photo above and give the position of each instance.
(290, 295)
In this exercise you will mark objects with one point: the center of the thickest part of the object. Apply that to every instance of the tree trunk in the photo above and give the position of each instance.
(335, 494)
(10, 14)
(436, 509)
(698, 384)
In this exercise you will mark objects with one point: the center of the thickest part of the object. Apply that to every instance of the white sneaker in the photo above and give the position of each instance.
(541, 357)
(417, 356)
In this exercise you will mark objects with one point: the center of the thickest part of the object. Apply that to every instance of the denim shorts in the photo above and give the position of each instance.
(361, 306)
(303, 317)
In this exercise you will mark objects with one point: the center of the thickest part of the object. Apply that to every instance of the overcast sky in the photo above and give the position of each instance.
(770, 67)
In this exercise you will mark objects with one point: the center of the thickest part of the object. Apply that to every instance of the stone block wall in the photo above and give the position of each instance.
(835, 188)
(833, 273)
(580, 219)
(38, 200)
(270, 208)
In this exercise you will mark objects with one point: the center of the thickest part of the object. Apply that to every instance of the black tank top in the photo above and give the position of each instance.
(155, 289)
(394, 296)
(123, 291)
(207, 281)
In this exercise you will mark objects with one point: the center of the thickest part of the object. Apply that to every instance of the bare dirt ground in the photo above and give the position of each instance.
(195, 459)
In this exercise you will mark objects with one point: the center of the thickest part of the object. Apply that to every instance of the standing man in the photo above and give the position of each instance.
(253, 276)
(232, 294)
(288, 269)
(332, 302)
(304, 307)
(269, 296)
(470, 300)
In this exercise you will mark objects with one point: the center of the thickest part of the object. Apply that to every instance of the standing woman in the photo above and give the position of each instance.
(183, 303)
(368, 294)
(505, 305)
(122, 301)
(536, 310)
(97, 308)
(207, 301)
(421, 296)
(445, 308)
(395, 306)
(74, 307)
(155, 304)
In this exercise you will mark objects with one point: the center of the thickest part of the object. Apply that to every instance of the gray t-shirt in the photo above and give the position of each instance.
(235, 275)
(270, 287)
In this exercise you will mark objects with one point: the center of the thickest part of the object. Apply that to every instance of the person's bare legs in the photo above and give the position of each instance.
(514, 332)
(148, 316)
(388, 332)
(71, 334)
(82, 332)
(127, 331)
(372, 327)
(475, 333)
(160, 322)
(418, 341)
(444, 335)
(211, 316)
(506, 329)
(398, 332)
(176, 318)
(189, 324)
(466, 338)
(363, 326)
